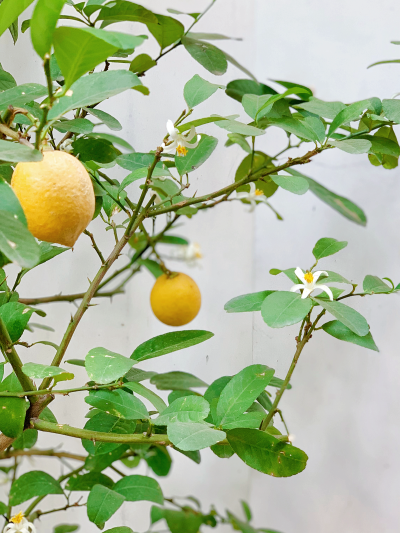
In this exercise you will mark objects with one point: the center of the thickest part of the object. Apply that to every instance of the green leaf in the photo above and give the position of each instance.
(79, 50)
(349, 114)
(139, 488)
(159, 460)
(327, 246)
(169, 342)
(153, 398)
(136, 375)
(391, 109)
(353, 146)
(348, 316)
(166, 31)
(189, 436)
(185, 409)
(247, 302)
(15, 152)
(106, 423)
(97, 463)
(381, 143)
(294, 184)
(102, 503)
(87, 481)
(26, 440)
(237, 138)
(137, 161)
(246, 420)
(65, 528)
(31, 484)
(118, 403)
(43, 23)
(6, 80)
(198, 90)
(209, 56)
(238, 127)
(255, 163)
(241, 391)
(123, 529)
(126, 11)
(265, 453)
(18, 96)
(142, 63)
(103, 366)
(10, 10)
(98, 150)
(342, 205)
(77, 362)
(16, 316)
(176, 381)
(374, 285)
(343, 333)
(93, 89)
(284, 308)
(223, 451)
(322, 109)
(186, 521)
(238, 88)
(9, 202)
(196, 156)
(77, 125)
(107, 119)
(12, 416)
(37, 371)
(294, 126)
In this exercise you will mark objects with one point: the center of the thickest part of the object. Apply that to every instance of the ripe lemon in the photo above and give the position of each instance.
(56, 195)
(175, 299)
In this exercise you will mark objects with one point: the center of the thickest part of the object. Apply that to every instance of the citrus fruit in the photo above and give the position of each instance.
(175, 299)
(56, 195)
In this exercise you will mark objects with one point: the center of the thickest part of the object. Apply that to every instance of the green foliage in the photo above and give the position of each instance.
(102, 503)
(188, 436)
(104, 366)
(118, 403)
(168, 343)
(343, 333)
(247, 302)
(326, 247)
(31, 484)
(139, 488)
(43, 23)
(209, 56)
(184, 409)
(198, 90)
(196, 157)
(348, 316)
(284, 308)
(16, 317)
(176, 381)
(10, 11)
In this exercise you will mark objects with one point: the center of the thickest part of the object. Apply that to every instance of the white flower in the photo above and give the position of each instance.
(19, 524)
(191, 253)
(309, 283)
(254, 196)
(67, 146)
(180, 141)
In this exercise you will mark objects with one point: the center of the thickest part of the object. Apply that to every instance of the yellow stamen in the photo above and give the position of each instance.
(308, 277)
(181, 150)
(197, 251)
(257, 192)
(17, 519)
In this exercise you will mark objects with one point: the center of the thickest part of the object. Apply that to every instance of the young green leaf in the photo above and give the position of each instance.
(246, 420)
(247, 302)
(107, 119)
(185, 409)
(322, 109)
(343, 333)
(169, 342)
(198, 90)
(102, 503)
(31, 484)
(284, 308)
(241, 391)
(10, 10)
(16, 316)
(126, 11)
(104, 366)
(349, 114)
(43, 23)
(77, 125)
(18, 96)
(196, 156)
(153, 398)
(327, 246)
(26, 440)
(375, 285)
(348, 316)
(166, 31)
(139, 488)
(238, 88)
(189, 436)
(14, 152)
(209, 56)
(353, 146)
(118, 403)
(265, 453)
(176, 381)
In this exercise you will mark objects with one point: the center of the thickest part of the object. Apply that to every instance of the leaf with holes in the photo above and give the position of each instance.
(104, 366)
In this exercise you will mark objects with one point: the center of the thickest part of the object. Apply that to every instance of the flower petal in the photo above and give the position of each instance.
(170, 127)
(306, 292)
(296, 288)
(191, 133)
(326, 289)
(300, 274)
(318, 273)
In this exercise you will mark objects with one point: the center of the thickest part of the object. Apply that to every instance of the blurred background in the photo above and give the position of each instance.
(344, 406)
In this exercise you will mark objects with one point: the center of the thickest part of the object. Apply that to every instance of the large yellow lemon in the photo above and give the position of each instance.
(175, 299)
(56, 195)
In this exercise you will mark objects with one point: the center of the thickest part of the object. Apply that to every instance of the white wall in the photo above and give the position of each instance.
(343, 405)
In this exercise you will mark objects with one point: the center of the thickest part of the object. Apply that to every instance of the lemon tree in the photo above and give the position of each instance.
(58, 172)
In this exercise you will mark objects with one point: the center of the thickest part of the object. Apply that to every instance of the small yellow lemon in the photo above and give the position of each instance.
(175, 299)
(56, 195)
